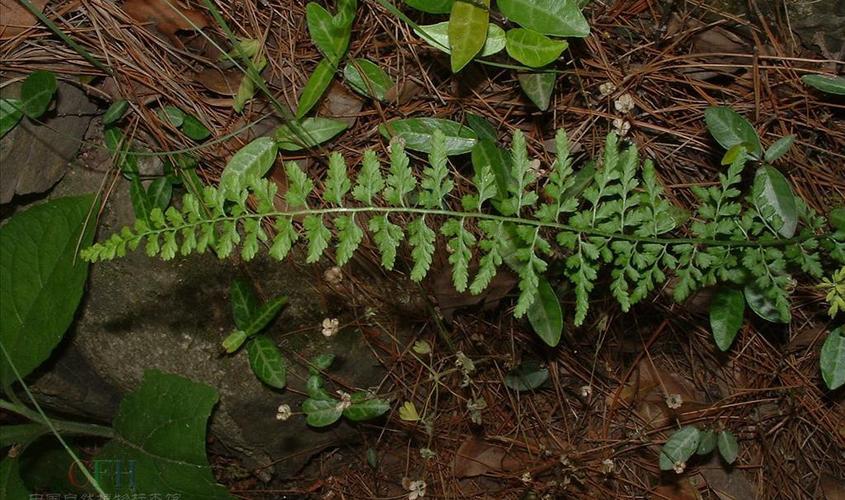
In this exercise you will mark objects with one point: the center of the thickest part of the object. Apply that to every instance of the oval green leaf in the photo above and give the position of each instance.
(467, 31)
(764, 306)
(115, 112)
(432, 6)
(417, 134)
(10, 114)
(172, 115)
(527, 376)
(538, 87)
(195, 129)
(244, 302)
(365, 407)
(826, 83)
(41, 279)
(367, 78)
(533, 49)
(832, 360)
(706, 443)
(775, 192)
(332, 38)
(159, 193)
(251, 161)
(729, 128)
(266, 361)
(37, 92)
(728, 447)
(726, 311)
(545, 314)
(234, 341)
(316, 86)
(679, 447)
(321, 412)
(309, 133)
(321, 362)
(550, 17)
(437, 35)
(264, 315)
(779, 148)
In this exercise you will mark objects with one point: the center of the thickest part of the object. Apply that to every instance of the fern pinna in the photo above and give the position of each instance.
(611, 220)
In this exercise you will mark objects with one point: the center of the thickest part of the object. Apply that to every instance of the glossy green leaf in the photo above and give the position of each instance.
(726, 311)
(11, 484)
(115, 112)
(486, 153)
(730, 128)
(777, 194)
(467, 31)
(244, 302)
(140, 203)
(314, 131)
(316, 86)
(195, 129)
(763, 306)
(321, 362)
(733, 153)
(706, 443)
(172, 115)
(250, 162)
(432, 6)
(417, 134)
(482, 128)
(527, 376)
(779, 148)
(826, 83)
(41, 279)
(365, 407)
(545, 314)
(332, 38)
(10, 114)
(437, 35)
(234, 341)
(36, 93)
(314, 388)
(161, 427)
(533, 49)
(159, 193)
(321, 412)
(728, 446)
(679, 448)
(538, 87)
(550, 17)
(267, 362)
(367, 78)
(832, 360)
(266, 313)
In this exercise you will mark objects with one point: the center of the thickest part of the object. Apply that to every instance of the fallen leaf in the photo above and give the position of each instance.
(341, 104)
(832, 487)
(681, 489)
(476, 457)
(728, 484)
(15, 18)
(223, 82)
(167, 16)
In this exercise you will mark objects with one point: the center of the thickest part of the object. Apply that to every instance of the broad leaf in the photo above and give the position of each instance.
(266, 361)
(264, 315)
(250, 162)
(726, 311)
(115, 112)
(832, 360)
(10, 114)
(527, 376)
(11, 484)
(777, 194)
(826, 83)
(467, 31)
(437, 35)
(195, 129)
(140, 203)
(533, 49)
(316, 86)
(728, 446)
(432, 6)
(545, 314)
(365, 407)
(308, 133)
(550, 17)
(367, 78)
(482, 128)
(538, 87)
(172, 115)
(234, 341)
(487, 154)
(417, 134)
(332, 38)
(321, 412)
(41, 279)
(321, 362)
(763, 306)
(779, 148)
(706, 442)
(244, 302)
(36, 93)
(159, 193)
(160, 432)
(729, 128)
(679, 447)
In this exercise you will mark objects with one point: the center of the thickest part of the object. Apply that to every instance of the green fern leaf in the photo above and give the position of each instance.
(337, 181)
(370, 181)
(421, 238)
(387, 237)
(460, 248)
(489, 263)
(401, 180)
(299, 186)
(349, 237)
(318, 236)
(435, 183)
(286, 236)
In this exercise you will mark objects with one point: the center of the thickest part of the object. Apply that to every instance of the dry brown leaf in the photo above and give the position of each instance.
(476, 457)
(832, 487)
(223, 82)
(15, 18)
(166, 16)
(341, 104)
(681, 489)
(728, 484)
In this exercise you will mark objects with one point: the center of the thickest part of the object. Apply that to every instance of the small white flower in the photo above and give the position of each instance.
(333, 276)
(621, 127)
(624, 103)
(607, 466)
(674, 401)
(330, 326)
(283, 412)
(416, 489)
(464, 363)
(607, 88)
(427, 453)
(526, 477)
(586, 391)
(679, 467)
(345, 401)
